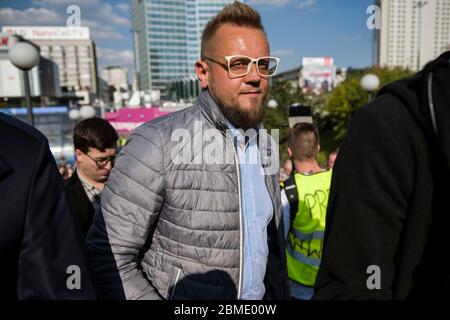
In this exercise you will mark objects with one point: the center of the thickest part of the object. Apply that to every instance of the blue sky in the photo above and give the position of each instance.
(296, 28)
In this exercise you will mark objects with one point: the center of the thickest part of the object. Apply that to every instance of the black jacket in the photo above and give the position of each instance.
(388, 195)
(39, 238)
(79, 202)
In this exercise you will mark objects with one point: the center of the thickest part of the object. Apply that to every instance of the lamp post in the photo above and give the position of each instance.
(85, 112)
(273, 104)
(25, 56)
(369, 83)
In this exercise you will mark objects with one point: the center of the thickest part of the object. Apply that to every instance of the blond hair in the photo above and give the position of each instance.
(238, 14)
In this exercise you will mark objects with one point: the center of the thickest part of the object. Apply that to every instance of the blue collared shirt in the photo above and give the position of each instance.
(257, 211)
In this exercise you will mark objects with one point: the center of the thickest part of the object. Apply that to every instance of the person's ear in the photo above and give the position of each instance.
(201, 70)
(290, 153)
(79, 155)
(318, 148)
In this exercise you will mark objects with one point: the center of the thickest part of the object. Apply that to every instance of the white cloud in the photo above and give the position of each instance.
(66, 3)
(53, 3)
(101, 31)
(29, 17)
(106, 14)
(282, 52)
(275, 3)
(125, 7)
(307, 4)
(109, 56)
(99, 17)
(90, 10)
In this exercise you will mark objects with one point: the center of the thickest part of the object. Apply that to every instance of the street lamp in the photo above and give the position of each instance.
(85, 112)
(273, 104)
(369, 83)
(74, 114)
(25, 57)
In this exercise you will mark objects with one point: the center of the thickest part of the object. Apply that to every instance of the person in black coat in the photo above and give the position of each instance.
(95, 142)
(388, 216)
(41, 249)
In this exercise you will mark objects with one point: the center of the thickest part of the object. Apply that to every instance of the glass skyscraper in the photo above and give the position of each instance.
(167, 35)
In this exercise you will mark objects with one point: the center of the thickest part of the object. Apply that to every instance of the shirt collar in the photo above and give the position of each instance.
(86, 184)
(238, 133)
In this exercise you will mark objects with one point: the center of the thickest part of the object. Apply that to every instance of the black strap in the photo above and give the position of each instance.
(290, 188)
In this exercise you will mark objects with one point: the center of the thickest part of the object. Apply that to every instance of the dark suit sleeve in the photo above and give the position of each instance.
(51, 239)
(368, 203)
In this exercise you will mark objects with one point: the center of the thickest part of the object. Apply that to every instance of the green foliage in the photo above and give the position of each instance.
(277, 118)
(331, 112)
(349, 97)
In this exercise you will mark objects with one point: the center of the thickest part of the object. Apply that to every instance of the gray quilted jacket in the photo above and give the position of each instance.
(171, 229)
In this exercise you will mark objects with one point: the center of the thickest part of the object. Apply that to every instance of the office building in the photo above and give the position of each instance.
(167, 36)
(412, 32)
(44, 80)
(117, 77)
(72, 49)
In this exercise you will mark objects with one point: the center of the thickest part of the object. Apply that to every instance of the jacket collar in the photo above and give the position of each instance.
(211, 110)
(213, 113)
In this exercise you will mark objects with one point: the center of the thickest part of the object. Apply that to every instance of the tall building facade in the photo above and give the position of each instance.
(116, 77)
(412, 32)
(167, 36)
(72, 50)
(44, 81)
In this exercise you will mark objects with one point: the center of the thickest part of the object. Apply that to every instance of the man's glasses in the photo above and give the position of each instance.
(240, 66)
(102, 162)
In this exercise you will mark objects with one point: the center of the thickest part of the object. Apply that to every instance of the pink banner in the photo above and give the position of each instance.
(127, 119)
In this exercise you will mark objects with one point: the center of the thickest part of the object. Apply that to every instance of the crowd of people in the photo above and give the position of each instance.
(65, 168)
(160, 220)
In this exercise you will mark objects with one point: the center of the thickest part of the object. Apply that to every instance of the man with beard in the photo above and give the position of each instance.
(189, 227)
(95, 142)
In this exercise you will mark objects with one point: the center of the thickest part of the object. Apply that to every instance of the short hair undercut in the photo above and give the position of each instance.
(95, 133)
(303, 140)
(238, 14)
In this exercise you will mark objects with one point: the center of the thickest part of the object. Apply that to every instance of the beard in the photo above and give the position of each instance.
(242, 118)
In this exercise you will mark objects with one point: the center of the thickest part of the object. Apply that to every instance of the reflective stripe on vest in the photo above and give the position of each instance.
(308, 236)
(305, 238)
(301, 257)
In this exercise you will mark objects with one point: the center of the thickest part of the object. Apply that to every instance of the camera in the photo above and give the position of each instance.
(298, 113)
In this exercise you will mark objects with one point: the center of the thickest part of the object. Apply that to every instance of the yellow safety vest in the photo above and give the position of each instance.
(305, 238)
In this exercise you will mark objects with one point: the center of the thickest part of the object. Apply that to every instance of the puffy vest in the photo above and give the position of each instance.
(305, 237)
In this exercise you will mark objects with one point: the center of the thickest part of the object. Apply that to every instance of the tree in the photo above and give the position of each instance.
(277, 118)
(349, 96)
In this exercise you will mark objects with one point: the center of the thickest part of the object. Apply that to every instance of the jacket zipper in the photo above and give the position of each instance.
(241, 229)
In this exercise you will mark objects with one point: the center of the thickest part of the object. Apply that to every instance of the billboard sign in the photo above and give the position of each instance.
(319, 74)
(49, 33)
